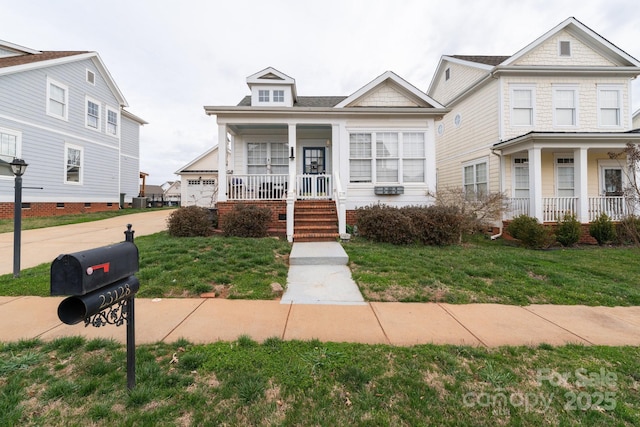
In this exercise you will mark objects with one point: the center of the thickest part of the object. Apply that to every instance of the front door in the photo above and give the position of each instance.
(313, 159)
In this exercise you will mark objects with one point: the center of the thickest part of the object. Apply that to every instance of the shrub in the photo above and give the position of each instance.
(190, 221)
(530, 232)
(569, 230)
(385, 224)
(435, 225)
(628, 230)
(246, 221)
(602, 229)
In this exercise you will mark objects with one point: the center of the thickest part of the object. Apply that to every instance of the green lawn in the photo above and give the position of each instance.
(74, 382)
(28, 223)
(477, 271)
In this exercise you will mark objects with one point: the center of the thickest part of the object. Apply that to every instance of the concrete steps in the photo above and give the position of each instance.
(318, 253)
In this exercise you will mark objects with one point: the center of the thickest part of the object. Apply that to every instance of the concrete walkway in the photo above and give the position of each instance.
(303, 314)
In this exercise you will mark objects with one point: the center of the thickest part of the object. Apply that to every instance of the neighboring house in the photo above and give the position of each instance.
(62, 112)
(539, 125)
(172, 192)
(636, 120)
(199, 180)
(314, 159)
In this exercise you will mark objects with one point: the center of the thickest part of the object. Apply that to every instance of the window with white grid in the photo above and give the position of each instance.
(73, 164)
(386, 157)
(93, 114)
(521, 177)
(360, 156)
(565, 177)
(565, 102)
(263, 96)
(9, 148)
(278, 96)
(522, 106)
(413, 157)
(475, 179)
(57, 99)
(267, 157)
(609, 106)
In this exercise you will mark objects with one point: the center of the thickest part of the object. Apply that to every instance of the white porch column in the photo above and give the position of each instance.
(291, 193)
(222, 163)
(535, 183)
(340, 193)
(581, 178)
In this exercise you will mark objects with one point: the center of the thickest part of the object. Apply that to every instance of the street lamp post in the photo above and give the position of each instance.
(18, 167)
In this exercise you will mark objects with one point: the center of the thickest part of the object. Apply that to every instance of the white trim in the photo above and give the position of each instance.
(91, 73)
(18, 154)
(522, 156)
(576, 97)
(17, 47)
(560, 49)
(611, 87)
(610, 164)
(522, 86)
(106, 121)
(474, 163)
(557, 156)
(88, 99)
(64, 87)
(68, 146)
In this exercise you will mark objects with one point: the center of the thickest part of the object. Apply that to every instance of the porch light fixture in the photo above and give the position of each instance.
(18, 167)
(292, 156)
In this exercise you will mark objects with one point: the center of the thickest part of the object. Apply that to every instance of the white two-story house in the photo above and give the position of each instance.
(328, 155)
(539, 125)
(63, 114)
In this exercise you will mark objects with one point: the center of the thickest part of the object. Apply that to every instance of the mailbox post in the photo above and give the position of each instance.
(101, 286)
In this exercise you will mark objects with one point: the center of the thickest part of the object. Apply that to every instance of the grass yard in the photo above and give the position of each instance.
(475, 272)
(29, 223)
(74, 382)
(482, 271)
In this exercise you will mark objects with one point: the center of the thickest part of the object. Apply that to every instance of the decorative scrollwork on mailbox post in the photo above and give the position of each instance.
(102, 289)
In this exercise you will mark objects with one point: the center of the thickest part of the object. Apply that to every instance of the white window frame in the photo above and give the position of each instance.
(560, 54)
(474, 164)
(558, 165)
(106, 121)
(86, 114)
(620, 118)
(65, 114)
(8, 157)
(279, 92)
(522, 162)
(264, 96)
(399, 157)
(604, 164)
(522, 87)
(68, 147)
(270, 151)
(556, 107)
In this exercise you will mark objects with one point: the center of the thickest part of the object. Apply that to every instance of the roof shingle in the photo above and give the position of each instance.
(12, 61)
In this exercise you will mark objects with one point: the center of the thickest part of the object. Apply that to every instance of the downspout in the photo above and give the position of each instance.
(497, 236)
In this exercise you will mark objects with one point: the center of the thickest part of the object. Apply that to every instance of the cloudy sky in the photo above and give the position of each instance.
(170, 58)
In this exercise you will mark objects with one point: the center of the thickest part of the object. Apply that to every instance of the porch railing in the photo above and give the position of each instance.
(554, 208)
(257, 187)
(616, 207)
(314, 186)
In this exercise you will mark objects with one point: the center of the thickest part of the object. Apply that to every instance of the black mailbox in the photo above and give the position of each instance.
(74, 309)
(82, 272)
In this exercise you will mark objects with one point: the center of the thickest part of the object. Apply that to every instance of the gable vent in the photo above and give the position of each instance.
(565, 48)
(91, 77)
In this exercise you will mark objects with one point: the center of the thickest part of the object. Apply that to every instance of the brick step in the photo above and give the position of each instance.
(314, 227)
(316, 223)
(315, 237)
(315, 212)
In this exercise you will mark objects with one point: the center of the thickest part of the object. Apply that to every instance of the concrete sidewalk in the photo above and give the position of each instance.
(209, 320)
(43, 245)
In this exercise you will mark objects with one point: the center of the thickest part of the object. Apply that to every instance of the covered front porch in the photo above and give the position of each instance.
(287, 163)
(549, 175)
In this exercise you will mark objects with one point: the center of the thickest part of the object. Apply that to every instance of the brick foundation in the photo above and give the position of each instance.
(278, 208)
(41, 209)
(585, 237)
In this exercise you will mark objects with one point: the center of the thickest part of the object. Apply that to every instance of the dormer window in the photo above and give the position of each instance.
(278, 96)
(565, 48)
(263, 96)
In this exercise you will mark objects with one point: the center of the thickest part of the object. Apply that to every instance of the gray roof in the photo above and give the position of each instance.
(305, 101)
(483, 59)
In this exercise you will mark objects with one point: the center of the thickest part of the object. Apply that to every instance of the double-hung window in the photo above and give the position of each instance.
(57, 99)
(112, 121)
(475, 179)
(610, 106)
(73, 164)
(413, 157)
(565, 106)
(520, 177)
(93, 114)
(9, 149)
(360, 157)
(522, 105)
(278, 96)
(565, 186)
(386, 157)
(263, 95)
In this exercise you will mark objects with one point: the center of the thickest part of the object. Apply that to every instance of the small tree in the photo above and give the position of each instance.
(602, 229)
(569, 230)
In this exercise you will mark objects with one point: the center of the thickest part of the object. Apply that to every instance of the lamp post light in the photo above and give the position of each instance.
(18, 167)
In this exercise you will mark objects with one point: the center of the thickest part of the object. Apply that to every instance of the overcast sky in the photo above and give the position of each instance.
(170, 58)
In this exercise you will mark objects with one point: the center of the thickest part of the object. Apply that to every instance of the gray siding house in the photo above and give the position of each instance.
(62, 112)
